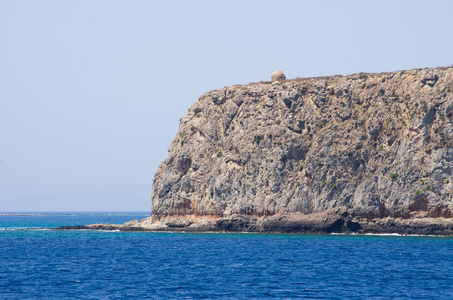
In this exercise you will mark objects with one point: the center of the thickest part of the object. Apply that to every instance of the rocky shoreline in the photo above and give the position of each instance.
(323, 223)
(365, 153)
(374, 151)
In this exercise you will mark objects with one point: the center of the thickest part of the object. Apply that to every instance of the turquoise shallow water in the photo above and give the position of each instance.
(23, 220)
(47, 264)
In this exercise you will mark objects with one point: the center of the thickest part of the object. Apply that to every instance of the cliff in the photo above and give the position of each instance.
(311, 152)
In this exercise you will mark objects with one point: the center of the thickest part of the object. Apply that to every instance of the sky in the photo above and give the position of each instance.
(92, 91)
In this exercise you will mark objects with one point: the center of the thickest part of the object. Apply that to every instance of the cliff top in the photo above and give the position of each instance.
(372, 145)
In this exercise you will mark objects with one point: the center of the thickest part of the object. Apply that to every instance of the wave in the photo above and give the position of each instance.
(387, 234)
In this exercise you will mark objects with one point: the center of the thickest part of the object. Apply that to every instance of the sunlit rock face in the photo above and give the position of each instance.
(368, 145)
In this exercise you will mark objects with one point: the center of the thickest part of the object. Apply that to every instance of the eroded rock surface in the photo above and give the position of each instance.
(360, 153)
(376, 145)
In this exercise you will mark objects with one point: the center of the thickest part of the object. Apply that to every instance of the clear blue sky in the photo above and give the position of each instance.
(91, 92)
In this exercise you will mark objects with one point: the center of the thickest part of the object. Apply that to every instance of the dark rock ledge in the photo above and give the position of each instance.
(323, 223)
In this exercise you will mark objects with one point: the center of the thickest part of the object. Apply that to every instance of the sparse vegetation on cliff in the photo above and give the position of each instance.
(363, 143)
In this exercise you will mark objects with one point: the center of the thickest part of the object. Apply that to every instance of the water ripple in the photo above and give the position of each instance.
(143, 265)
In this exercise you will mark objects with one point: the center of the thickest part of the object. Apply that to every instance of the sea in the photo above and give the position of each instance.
(39, 263)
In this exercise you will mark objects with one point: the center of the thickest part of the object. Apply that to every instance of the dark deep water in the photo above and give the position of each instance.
(47, 264)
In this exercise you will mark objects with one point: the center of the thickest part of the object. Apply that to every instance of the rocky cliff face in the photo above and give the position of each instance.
(368, 145)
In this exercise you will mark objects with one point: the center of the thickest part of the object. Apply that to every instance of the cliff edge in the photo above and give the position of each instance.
(357, 150)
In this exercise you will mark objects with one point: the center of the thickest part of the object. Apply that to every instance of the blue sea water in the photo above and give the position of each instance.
(48, 264)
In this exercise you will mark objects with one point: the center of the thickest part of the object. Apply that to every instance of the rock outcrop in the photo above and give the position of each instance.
(359, 153)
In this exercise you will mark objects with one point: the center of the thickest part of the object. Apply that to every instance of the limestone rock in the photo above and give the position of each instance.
(372, 145)
(133, 223)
